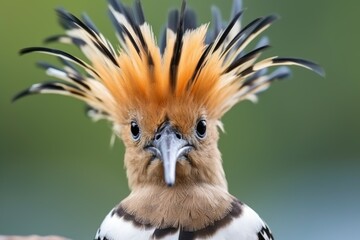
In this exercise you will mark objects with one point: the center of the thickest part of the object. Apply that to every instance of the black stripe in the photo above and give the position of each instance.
(162, 44)
(264, 22)
(177, 48)
(207, 232)
(185, 235)
(172, 22)
(254, 87)
(91, 30)
(50, 85)
(256, 75)
(265, 234)
(46, 66)
(241, 34)
(77, 78)
(280, 74)
(89, 23)
(238, 62)
(105, 51)
(80, 94)
(161, 233)
(138, 20)
(199, 66)
(89, 109)
(190, 20)
(227, 30)
(255, 26)
(118, 27)
(139, 13)
(313, 66)
(127, 12)
(73, 21)
(21, 94)
(65, 20)
(246, 72)
(131, 218)
(57, 38)
(211, 230)
(236, 7)
(56, 52)
(286, 61)
(173, 19)
(132, 40)
(217, 22)
(70, 65)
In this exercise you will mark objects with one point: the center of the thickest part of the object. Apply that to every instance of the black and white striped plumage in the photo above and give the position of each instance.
(240, 223)
(165, 102)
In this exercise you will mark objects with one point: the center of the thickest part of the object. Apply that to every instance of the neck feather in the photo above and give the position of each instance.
(191, 208)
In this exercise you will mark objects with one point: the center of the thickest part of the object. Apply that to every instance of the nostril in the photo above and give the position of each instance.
(178, 135)
(157, 136)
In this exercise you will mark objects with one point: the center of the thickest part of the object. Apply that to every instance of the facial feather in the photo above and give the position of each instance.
(203, 164)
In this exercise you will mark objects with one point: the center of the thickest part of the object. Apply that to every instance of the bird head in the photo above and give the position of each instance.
(172, 144)
(164, 100)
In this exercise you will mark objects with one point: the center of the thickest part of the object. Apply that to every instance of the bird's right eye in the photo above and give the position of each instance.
(135, 130)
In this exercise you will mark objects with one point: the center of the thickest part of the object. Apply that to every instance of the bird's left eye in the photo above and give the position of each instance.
(135, 130)
(201, 129)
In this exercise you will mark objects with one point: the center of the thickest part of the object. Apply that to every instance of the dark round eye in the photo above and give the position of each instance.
(201, 129)
(135, 130)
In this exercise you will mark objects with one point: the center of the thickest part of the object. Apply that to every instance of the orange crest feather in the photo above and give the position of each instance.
(195, 65)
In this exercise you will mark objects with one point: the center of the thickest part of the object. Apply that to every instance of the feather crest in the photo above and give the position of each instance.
(192, 65)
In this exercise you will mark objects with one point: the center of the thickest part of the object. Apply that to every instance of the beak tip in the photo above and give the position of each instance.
(170, 182)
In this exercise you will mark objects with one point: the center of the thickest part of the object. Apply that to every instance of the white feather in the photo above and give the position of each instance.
(116, 228)
(245, 227)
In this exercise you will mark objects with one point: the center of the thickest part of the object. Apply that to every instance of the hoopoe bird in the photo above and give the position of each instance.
(165, 101)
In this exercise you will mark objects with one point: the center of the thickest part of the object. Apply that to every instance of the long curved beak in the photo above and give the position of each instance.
(169, 147)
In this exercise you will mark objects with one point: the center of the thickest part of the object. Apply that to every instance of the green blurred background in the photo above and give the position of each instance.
(294, 156)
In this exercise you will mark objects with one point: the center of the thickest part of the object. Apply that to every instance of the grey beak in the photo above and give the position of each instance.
(169, 147)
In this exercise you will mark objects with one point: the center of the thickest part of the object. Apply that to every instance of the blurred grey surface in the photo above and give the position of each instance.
(31, 237)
